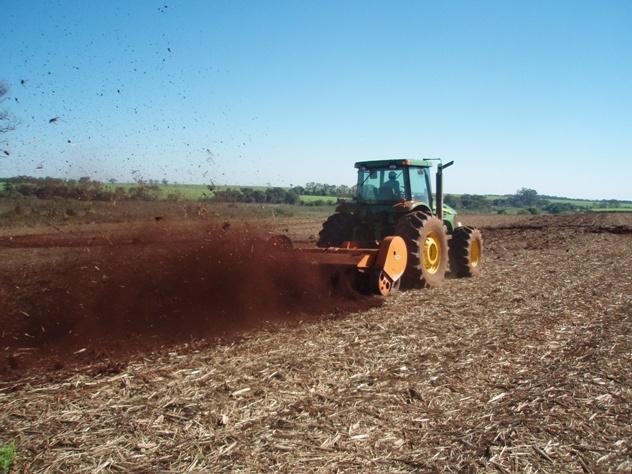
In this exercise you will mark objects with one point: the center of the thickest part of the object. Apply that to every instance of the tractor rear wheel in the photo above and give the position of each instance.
(466, 251)
(427, 245)
(338, 228)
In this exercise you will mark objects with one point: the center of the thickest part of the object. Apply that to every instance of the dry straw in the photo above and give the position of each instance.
(526, 369)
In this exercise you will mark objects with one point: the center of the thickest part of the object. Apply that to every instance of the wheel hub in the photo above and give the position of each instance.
(475, 253)
(432, 253)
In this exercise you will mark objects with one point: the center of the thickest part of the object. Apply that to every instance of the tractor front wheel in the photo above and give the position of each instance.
(466, 252)
(427, 245)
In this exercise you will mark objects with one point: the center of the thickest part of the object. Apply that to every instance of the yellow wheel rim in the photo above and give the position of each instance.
(432, 253)
(475, 253)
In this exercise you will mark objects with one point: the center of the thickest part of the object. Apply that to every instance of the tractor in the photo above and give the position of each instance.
(394, 198)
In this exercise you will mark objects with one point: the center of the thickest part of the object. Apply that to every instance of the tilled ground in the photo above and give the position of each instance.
(524, 369)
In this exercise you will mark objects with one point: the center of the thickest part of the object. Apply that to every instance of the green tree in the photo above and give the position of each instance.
(474, 201)
(291, 197)
(559, 207)
(526, 197)
(452, 200)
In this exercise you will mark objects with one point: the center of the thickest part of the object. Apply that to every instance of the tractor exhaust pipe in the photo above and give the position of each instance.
(439, 189)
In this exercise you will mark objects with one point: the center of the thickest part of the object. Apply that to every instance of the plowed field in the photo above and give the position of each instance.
(176, 346)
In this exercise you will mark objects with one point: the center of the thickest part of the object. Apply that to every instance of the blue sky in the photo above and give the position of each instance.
(535, 93)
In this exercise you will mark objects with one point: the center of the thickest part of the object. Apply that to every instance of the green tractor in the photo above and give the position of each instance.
(394, 197)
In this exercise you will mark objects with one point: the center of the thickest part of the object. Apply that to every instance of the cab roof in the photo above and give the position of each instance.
(387, 163)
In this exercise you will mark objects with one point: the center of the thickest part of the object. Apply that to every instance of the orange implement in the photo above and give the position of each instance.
(384, 266)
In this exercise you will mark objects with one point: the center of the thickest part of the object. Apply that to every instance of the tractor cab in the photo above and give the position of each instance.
(392, 181)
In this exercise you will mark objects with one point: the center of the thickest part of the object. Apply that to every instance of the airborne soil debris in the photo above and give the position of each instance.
(109, 297)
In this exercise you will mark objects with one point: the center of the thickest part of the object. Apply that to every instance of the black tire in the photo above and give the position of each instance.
(415, 228)
(337, 229)
(466, 251)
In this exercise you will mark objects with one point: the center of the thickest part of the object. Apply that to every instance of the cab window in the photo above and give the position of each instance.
(381, 184)
(419, 184)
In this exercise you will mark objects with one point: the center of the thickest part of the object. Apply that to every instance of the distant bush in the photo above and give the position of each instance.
(559, 207)
(283, 212)
(315, 202)
(175, 196)
(533, 211)
(269, 195)
(321, 189)
(609, 204)
(143, 192)
(49, 188)
(452, 200)
(468, 202)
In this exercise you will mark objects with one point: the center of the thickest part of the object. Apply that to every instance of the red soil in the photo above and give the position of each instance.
(106, 298)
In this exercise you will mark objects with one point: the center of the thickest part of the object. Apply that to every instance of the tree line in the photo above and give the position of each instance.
(528, 200)
(322, 189)
(87, 189)
(278, 195)
(250, 195)
(82, 189)
(525, 199)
